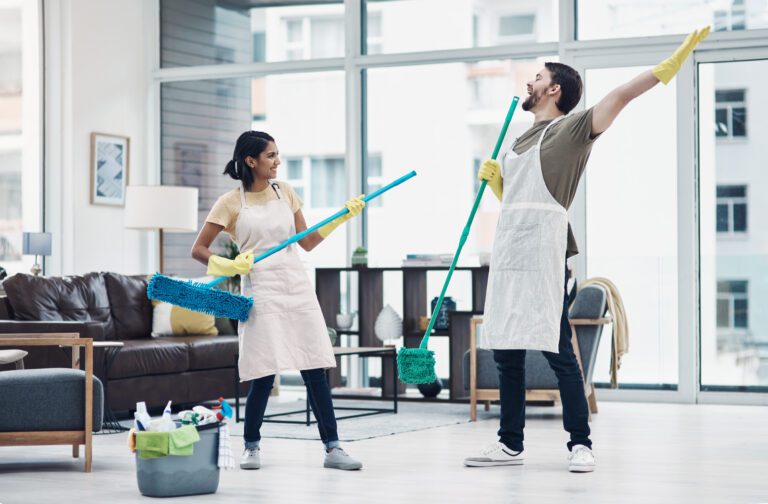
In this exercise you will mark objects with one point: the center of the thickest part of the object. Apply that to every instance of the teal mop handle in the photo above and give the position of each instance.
(465, 233)
(299, 236)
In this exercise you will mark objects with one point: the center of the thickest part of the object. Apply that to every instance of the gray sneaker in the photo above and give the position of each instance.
(250, 459)
(338, 459)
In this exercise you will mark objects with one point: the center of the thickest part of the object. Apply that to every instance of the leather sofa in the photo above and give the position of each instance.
(114, 307)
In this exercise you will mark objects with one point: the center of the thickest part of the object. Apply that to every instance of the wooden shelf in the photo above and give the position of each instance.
(370, 301)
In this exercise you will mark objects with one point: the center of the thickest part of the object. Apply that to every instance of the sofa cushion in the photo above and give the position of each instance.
(140, 357)
(47, 399)
(131, 308)
(210, 352)
(80, 298)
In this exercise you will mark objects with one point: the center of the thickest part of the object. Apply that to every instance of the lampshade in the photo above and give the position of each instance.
(36, 244)
(170, 208)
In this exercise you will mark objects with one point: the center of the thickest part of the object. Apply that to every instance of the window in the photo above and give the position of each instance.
(732, 304)
(730, 113)
(515, 27)
(731, 209)
(328, 181)
(295, 175)
(318, 37)
(604, 19)
(734, 18)
(373, 34)
(20, 133)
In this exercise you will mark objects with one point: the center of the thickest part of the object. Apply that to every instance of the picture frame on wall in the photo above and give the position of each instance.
(110, 155)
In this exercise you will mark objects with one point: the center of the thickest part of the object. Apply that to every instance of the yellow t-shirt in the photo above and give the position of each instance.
(227, 208)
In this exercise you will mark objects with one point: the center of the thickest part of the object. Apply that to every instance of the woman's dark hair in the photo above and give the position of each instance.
(570, 85)
(250, 143)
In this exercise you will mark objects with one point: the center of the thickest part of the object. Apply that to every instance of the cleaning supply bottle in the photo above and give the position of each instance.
(166, 422)
(141, 417)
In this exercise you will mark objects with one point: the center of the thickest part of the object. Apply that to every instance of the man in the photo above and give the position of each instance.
(525, 304)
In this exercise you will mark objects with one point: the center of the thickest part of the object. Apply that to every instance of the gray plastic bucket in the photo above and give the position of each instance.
(173, 476)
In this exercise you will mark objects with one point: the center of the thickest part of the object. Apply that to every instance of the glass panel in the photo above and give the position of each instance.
(723, 313)
(739, 121)
(740, 217)
(20, 134)
(732, 191)
(201, 121)
(456, 24)
(733, 354)
(740, 313)
(722, 218)
(639, 254)
(732, 95)
(602, 19)
(444, 133)
(721, 122)
(210, 32)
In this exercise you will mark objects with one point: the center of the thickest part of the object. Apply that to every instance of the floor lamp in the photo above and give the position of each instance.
(170, 209)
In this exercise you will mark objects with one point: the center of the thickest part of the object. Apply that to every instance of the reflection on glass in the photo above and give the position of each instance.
(733, 242)
(210, 32)
(201, 121)
(602, 19)
(631, 182)
(396, 26)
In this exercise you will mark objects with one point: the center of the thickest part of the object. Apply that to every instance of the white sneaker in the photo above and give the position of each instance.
(496, 454)
(581, 459)
(250, 459)
(339, 459)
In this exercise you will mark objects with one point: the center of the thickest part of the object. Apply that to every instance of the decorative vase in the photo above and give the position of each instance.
(360, 258)
(442, 321)
(388, 325)
(344, 320)
(333, 335)
(431, 389)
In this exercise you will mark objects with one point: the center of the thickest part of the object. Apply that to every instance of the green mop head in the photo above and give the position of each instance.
(199, 297)
(416, 365)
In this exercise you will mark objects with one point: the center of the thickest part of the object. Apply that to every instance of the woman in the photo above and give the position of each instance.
(285, 329)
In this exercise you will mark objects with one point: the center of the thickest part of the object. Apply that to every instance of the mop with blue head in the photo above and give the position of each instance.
(202, 297)
(417, 365)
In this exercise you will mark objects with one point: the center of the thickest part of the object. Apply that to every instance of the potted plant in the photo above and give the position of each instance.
(360, 258)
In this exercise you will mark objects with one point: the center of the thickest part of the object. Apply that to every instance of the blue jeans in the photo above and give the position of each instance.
(319, 394)
(511, 365)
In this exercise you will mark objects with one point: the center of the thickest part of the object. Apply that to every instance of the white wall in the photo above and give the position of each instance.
(97, 81)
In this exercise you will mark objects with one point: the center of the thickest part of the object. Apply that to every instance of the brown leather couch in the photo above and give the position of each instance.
(114, 307)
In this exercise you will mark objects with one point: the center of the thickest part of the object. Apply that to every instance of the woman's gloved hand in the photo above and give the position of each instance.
(490, 170)
(221, 266)
(667, 69)
(355, 206)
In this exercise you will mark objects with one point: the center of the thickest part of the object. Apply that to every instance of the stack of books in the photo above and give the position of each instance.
(427, 260)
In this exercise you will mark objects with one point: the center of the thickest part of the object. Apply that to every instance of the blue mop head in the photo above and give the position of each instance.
(199, 297)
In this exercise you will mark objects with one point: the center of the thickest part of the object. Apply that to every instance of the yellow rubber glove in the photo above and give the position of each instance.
(355, 206)
(667, 69)
(490, 170)
(221, 266)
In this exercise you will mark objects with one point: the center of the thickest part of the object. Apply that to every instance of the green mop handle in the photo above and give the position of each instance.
(465, 233)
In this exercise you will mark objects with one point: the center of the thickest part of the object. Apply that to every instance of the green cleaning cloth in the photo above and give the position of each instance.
(182, 440)
(152, 444)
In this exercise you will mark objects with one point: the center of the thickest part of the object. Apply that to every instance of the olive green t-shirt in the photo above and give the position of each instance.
(227, 208)
(564, 154)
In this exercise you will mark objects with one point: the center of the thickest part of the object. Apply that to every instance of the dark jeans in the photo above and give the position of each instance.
(511, 365)
(319, 394)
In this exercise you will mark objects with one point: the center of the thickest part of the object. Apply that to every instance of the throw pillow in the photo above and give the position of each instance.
(170, 320)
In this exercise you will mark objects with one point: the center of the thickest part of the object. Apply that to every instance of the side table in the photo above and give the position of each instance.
(110, 425)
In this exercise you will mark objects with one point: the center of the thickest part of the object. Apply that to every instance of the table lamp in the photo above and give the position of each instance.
(36, 244)
(170, 209)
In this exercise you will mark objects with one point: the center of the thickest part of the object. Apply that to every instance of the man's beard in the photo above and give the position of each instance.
(530, 102)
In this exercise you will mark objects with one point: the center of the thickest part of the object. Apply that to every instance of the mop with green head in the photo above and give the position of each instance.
(202, 297)
(417, 365)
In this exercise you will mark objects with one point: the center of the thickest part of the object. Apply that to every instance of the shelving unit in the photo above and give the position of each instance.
(415, 304)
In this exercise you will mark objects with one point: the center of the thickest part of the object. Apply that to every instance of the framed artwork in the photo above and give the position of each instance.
(109, 169)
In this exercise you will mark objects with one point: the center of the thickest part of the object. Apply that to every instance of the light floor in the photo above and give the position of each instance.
(646, 453)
